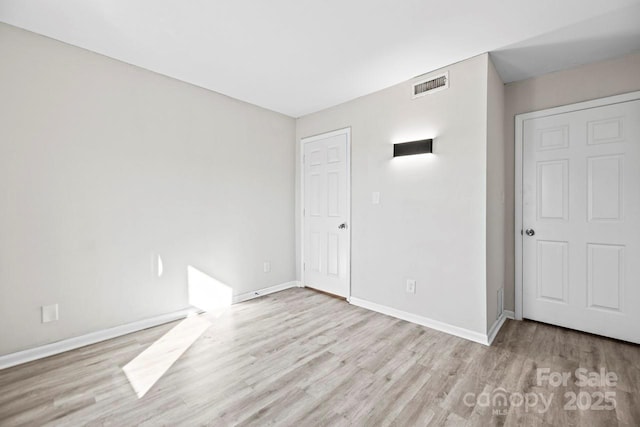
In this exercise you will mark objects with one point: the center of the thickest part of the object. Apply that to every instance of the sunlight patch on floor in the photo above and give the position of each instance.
(150, 365)
(206, 294)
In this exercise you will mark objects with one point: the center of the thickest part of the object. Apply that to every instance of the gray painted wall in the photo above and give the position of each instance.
(497, 233)
(430, 224)
(105, 166)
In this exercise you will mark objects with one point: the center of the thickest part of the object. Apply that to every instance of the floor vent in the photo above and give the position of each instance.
(434, 84)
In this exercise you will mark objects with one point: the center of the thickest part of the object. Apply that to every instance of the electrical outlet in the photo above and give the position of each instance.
(49, 313)
(267, 267)
(411, 286)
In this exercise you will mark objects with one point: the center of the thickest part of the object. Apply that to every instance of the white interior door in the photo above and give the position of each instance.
(326, 234)
(581, 216)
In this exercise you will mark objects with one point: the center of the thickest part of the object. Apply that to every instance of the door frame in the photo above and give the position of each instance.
(344, 131)
(519, 140)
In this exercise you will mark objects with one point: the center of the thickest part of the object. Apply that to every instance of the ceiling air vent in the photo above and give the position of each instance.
(434, 84)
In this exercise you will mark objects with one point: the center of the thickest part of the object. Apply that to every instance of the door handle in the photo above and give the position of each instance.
(342, 226)
(530, 232)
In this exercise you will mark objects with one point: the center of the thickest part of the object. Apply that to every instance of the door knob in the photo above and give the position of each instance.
(342, 226)
(530, 231)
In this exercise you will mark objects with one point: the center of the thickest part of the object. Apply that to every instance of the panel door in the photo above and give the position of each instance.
(581, 217)
(326, 214)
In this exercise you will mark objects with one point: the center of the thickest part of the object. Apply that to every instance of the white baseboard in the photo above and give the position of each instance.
(424, 321)
(495, 328)
(266, 291)
(493, 332)
(58, 347)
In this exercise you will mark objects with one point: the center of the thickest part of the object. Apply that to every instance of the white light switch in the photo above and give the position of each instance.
(375, 198)
(49, 313)
(267, 266)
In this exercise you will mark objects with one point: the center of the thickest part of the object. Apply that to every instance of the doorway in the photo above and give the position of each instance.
(326, 212)
(578, 216)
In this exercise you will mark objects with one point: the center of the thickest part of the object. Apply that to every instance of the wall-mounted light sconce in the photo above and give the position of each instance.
(414, 147)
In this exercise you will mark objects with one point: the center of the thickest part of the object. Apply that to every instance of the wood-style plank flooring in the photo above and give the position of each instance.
(302, 358)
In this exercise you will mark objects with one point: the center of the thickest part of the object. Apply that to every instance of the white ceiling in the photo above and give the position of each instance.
(606, 36)
(300, 56)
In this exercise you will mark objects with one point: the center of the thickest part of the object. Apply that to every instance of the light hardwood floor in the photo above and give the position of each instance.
(302, 358)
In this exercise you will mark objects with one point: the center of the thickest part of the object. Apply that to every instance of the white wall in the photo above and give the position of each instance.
(591, 81)
(497, 233)
(105, 166)
(431, 222)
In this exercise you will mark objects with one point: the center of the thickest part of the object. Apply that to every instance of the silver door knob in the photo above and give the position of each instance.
(530, 231)
(342, 226)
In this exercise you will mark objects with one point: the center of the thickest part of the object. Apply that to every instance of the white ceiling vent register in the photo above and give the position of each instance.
(433, 84)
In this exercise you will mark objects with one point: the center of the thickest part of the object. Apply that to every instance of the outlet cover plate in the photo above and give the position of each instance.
(411, 286)
(49, 313)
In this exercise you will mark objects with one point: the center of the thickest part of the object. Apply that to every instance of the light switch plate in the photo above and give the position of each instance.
(49, 313)
(267, 267)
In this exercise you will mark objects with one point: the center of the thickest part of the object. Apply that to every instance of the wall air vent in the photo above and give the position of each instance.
(433, 84)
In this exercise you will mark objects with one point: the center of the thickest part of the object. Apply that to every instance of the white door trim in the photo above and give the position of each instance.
(347, 132)
(519, 126)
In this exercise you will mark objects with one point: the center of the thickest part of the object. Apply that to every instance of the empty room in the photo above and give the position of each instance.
(319, 213)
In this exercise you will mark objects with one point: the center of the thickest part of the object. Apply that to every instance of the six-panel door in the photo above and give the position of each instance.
(581, 203)
(326, 227)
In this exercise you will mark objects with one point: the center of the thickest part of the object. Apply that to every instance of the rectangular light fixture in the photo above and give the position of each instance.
(414, 147)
